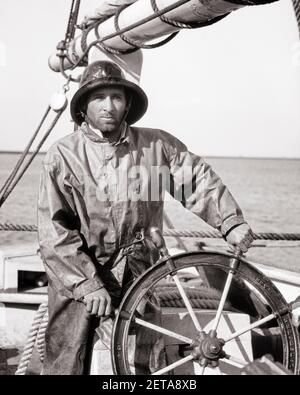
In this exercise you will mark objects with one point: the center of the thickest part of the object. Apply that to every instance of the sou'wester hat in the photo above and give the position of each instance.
(101, 74)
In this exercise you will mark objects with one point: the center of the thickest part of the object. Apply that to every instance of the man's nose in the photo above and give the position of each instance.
(108, 104)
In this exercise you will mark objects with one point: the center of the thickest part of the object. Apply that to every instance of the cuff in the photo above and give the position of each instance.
(87, 287)
(230, 223)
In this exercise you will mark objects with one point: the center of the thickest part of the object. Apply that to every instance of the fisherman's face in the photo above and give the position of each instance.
(106, 108)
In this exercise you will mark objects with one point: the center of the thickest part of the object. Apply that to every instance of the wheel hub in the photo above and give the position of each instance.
(207, 349)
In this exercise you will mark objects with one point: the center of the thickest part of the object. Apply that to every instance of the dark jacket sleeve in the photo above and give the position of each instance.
(201, 190)
(69, 269)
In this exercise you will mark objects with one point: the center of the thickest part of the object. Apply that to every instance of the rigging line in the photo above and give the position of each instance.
(136, 43)
(73, 17)
(76, 13)
(8, 192)
(25, 152)
(69, 25)
(296, 5)
(10, 227)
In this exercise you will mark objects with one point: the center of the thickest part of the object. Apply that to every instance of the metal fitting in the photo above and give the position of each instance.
(138, 236)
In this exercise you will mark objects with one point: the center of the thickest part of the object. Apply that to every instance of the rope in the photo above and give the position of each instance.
(139, 44)
(70, 23)
(192, 233)
(168, 223)
(28, 350)
(180, 25)
(201, 298)
(40, 339)
(9, 227)
(296, 5)
(74, 12)
(12, 184)
(216, 234)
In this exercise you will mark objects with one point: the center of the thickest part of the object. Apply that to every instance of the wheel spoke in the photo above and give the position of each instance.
(223, 300)
(173, 365)
(248, 328)
(235, 361)
(164, 331)
(187, 303)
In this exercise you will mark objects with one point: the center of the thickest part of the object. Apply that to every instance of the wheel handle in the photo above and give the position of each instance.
(159, 242)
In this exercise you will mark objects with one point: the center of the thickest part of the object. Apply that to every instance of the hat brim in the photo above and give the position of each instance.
(139, 100)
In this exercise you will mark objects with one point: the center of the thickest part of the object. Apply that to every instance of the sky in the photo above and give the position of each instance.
(231, 89)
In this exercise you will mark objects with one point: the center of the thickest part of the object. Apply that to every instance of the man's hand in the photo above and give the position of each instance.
(240, 237)
(98, 303)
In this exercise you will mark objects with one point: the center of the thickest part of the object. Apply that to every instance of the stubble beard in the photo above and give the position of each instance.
(109, 127)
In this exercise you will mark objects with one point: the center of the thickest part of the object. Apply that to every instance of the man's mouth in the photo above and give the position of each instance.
(109, 118)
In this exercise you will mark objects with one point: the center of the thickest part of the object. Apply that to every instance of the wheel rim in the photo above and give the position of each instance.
(210, 261)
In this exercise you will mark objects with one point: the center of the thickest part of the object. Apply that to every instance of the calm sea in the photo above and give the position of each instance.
(268, 190)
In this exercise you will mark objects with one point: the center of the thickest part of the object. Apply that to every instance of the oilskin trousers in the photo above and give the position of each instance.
(71, 330)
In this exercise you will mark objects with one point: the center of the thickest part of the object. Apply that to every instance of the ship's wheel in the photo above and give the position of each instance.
(217, 314)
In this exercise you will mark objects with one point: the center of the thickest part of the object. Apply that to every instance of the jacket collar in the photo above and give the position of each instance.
(93, 136)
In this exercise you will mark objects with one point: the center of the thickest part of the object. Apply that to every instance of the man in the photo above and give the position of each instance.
(101, 192)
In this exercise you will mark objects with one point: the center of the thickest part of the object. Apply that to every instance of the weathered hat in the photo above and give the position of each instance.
(102, 74)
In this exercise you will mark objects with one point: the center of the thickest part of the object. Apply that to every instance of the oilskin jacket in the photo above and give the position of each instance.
(98, 200)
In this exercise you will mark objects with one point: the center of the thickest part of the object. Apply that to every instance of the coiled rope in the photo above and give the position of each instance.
(209, 234)
(37, 331)
(200, 298)
(40, 338)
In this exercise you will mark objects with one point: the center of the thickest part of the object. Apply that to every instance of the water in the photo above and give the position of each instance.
(268, 191)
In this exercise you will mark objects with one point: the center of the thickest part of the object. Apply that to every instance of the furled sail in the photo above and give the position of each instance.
(118, 27)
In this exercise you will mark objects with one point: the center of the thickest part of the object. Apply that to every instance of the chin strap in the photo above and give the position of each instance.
(128, 105)
(85, 117)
